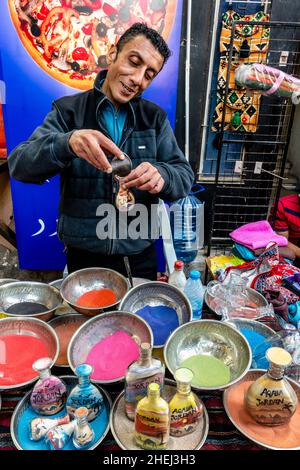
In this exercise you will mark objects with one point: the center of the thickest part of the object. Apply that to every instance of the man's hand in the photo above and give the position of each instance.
(145, 177)
(92, 146)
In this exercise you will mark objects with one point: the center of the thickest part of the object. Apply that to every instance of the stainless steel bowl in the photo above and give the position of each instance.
(7, 281)
(27, 291)
(98, 328)
(17, 427)
(156, 293)
(30, 327)
(70, 323)
(85, 280)
(56, 283)
(213, 338)
(253, 295)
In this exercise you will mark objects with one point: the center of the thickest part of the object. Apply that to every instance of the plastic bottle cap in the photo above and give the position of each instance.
(279, 356)
(194, 274)
(178, 264)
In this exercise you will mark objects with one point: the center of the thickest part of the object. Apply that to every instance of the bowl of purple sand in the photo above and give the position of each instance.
(161, 305)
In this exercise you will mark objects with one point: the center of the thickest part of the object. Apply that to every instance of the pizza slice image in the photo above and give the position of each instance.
(69, 39)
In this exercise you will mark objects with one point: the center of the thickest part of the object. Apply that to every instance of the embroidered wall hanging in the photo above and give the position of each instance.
(250, 44)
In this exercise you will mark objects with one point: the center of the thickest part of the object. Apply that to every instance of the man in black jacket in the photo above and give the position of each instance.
(77, 139)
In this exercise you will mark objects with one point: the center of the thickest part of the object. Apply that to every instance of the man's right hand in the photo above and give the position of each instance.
(92, 145)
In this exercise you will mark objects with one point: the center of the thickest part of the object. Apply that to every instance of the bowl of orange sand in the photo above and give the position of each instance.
(94, 290)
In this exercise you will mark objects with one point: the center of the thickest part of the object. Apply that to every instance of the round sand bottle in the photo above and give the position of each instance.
(185, 407)
(271, 400)
(85, 394)
(49, 394)
(152, 420)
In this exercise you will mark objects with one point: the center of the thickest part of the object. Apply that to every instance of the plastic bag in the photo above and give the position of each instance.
(268, 81)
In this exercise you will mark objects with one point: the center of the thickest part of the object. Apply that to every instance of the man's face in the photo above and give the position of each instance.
(132, 70)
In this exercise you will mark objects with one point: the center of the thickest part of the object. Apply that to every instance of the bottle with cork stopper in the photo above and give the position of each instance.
(152, 420)
(271, 400)
(185, 407)
(139, 375)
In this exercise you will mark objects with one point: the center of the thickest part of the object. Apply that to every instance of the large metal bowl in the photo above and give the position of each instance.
(156, 293)
(85, 280)
(253, 326)
(253, 295)
(27, 291)
(30, 327)
(23, 413)
(7, 281)
(98, 328)
(213, 338)
(67, 324)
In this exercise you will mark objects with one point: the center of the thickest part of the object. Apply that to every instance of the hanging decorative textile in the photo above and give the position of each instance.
(250, 44)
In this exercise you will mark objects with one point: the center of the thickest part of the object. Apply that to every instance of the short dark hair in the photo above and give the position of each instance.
(141, 29)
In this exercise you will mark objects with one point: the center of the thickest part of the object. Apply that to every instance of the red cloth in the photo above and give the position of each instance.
(288, 217)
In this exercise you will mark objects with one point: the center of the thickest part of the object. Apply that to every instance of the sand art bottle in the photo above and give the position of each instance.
(271, 400)
(83, 433)
(152, 420)
(139, 375)
(40, 426)
(49, 393)
(185, 407)
(85, 394)
(57, 437)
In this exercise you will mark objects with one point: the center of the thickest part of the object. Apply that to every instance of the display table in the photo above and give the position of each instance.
(222, 434)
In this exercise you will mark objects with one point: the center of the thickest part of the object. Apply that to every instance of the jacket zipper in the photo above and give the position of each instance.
(114, 184)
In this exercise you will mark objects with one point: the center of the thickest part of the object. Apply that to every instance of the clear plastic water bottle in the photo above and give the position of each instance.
(194, 291)
(187, 224)
(177, 277)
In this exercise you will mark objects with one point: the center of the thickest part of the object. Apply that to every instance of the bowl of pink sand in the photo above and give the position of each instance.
(109, 343)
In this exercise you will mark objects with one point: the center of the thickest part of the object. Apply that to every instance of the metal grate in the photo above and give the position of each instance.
(248, 170)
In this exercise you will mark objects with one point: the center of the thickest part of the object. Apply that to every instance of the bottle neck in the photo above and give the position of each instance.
(145, 359)
(82, 421)
(45, 373)
(183, 388)
(84, 381)
(275, 372)
(153, 396)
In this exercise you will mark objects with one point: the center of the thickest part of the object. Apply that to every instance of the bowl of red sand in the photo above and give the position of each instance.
(109, 343)
(94, 290)
(65, 327)
(22, 341)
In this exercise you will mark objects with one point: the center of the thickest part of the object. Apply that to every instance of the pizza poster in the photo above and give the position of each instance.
(54, 48)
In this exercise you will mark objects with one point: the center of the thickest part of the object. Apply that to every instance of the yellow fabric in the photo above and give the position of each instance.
(257, 38)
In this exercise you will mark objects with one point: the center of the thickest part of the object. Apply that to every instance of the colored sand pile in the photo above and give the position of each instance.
(97, 298)
(111, 356)
(17, 354)
(162, 320)
(26, 308)
(208, 371)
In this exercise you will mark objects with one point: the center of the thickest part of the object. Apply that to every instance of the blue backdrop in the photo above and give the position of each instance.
(27, 95)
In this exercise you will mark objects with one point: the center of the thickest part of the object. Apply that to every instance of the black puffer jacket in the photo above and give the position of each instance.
(147, 136)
